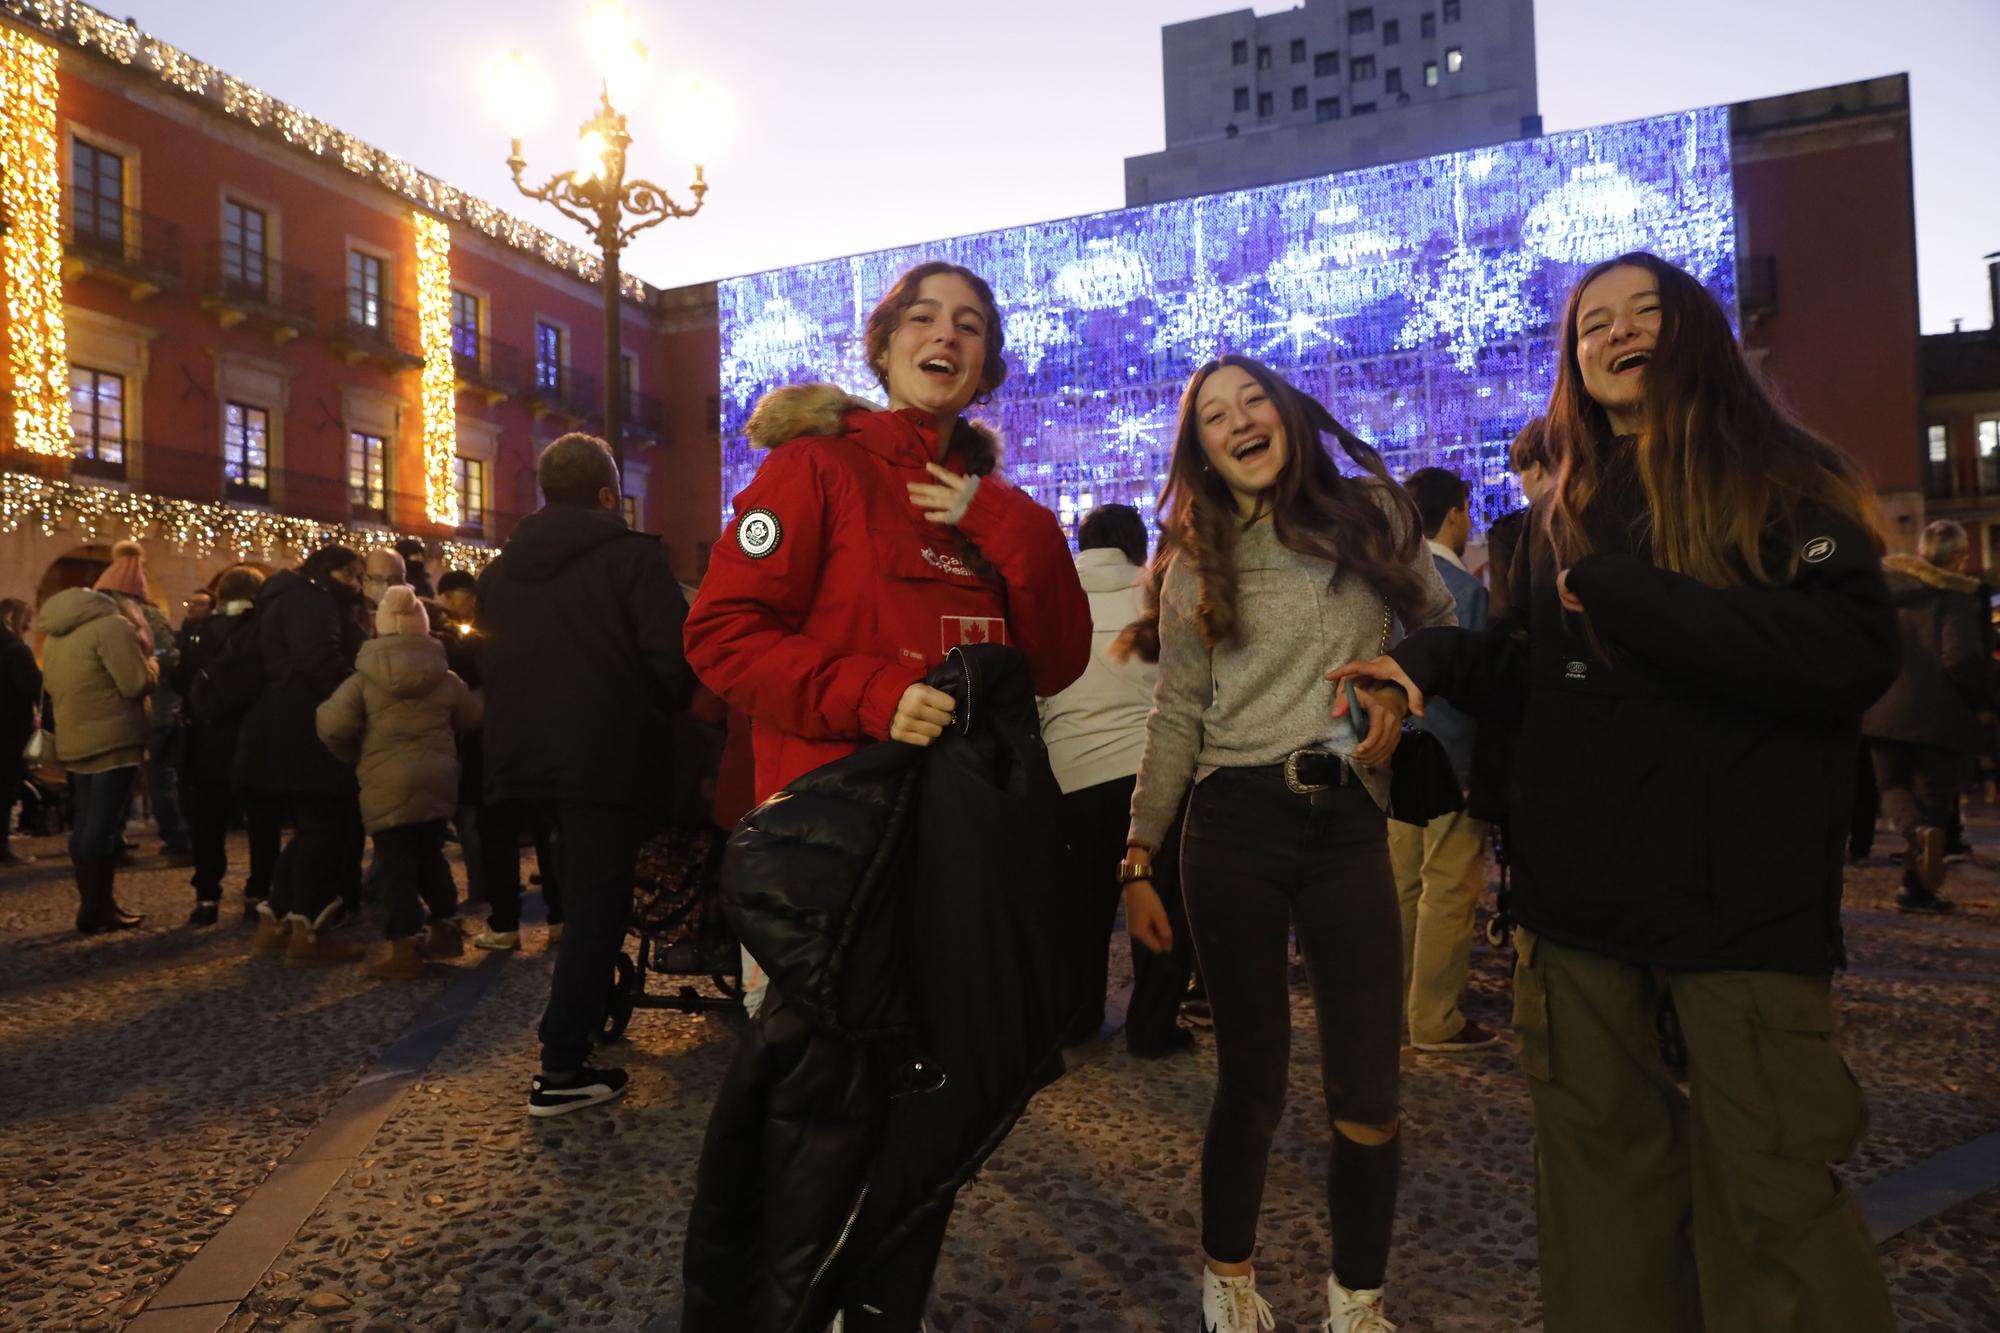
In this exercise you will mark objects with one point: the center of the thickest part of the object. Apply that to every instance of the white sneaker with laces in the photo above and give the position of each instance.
(1232, 1305)
(1354, 1311)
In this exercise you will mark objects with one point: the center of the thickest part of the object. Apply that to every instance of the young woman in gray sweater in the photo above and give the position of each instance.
(1281, 570)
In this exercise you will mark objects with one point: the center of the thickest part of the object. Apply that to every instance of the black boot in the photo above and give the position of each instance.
(100, 910)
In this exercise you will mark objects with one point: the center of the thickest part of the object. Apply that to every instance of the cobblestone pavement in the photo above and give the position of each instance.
(154, 1078)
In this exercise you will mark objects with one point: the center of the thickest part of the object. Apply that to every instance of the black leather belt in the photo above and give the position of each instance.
(1316, 770)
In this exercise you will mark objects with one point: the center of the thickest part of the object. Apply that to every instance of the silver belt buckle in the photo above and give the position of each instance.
(1292, 776)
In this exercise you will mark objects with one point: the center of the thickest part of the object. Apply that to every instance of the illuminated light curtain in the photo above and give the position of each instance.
(31, 193)
(440, 374)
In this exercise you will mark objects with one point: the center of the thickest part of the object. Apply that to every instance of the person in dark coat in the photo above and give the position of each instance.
(207, 798)
(308, 636)
(1698, 624)
(580, 658)
(1924, 730)
(20, 695)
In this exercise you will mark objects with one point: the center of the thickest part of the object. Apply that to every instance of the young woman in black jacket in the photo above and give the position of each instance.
(1697, 626)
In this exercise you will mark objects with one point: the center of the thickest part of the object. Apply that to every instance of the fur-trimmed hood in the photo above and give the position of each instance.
(797, 411)
(1928, 574)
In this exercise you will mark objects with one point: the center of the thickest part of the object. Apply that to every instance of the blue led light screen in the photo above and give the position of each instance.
(1418, 300)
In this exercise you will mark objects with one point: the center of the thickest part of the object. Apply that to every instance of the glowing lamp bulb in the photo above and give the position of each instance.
(517, 93)
(594, 149)
(697, 118)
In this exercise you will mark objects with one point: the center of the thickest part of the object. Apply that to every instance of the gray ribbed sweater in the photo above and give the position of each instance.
(1256, 700)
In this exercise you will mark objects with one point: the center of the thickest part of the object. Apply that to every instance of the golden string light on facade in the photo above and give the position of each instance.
(440, 382)
(31, 194)
(101, 514)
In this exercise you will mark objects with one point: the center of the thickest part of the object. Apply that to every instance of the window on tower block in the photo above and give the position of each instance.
(1451, 11)
(244, 233)
(471, 474)
(1359, 68)
(1364, 108)
(1937, 442)
(1429, 25)
(1300, 100)
(1430, 74)
(1360, 21)
(1241, 102)
(1392, 81)
(548, 357)
(465, 325)
(1265, 106)
(1263, 57)
(1298, 50)
(364, 290)
(1454, 60)
(97, 198)
(367, 474)
(246, 457)
(1392, 32)
(1239, 53)
(97, 421)
(1326, 63)
(1326, 108)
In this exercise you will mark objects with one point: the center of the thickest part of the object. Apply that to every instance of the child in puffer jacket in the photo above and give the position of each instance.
(395, 719)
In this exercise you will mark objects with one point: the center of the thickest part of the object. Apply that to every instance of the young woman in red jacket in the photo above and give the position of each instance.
(872, 542)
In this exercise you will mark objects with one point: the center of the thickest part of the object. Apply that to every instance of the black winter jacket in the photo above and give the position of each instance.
(210, 754)
(1945, 682)
(20, 691)
(1683, 803)
(309, 637)
(924, 937)
(579, 650)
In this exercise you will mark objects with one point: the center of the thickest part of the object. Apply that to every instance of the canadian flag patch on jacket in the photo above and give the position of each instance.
(970, 629)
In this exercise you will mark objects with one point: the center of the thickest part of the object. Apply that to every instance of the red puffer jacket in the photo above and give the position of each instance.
(832, 594)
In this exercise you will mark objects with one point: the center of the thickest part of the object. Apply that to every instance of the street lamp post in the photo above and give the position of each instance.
(597, 195)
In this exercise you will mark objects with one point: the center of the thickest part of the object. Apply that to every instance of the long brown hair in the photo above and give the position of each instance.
(1728, 473)
(1365, 526)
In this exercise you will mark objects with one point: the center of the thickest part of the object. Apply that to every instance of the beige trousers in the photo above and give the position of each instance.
(1440, 872)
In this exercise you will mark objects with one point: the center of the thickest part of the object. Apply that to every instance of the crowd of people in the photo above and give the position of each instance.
(1659, 704)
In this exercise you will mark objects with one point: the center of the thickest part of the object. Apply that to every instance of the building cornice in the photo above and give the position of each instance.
(88, 29)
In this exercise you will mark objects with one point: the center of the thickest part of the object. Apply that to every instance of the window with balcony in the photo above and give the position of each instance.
(246, 451)
(1326, 108)
(365, 283)
(471, 476)
(1451, 11)
(1239, 53)
(1430, 74)
(465, 325)
(97, 421)
(1428, 25)
(367, 473)
(1937, 460)
(1298, 50)
(1987, 435)
(1359, 68)
(1300, 100)
(1392, 32)
(548, 356)
(97, 197)
(245, 233)
(1326, 63)
(1392, 81)
(1454, 60)
(1266, 104)
(1360, 21)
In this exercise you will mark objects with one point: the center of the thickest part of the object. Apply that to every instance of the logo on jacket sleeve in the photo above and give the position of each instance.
(758, 533)
(1818, 549)
(1576, 670)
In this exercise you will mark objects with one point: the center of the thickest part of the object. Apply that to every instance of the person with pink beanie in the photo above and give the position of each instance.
(396, 719)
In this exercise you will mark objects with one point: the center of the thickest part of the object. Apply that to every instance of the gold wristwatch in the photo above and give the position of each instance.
(1130, 870)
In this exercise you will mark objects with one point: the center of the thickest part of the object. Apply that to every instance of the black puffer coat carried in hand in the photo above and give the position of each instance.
(924, 934)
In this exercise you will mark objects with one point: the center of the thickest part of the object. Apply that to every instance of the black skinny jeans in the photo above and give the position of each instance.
(416, 879)
(207, 807)
(1259, 861)
(600, 859)
(500, 825)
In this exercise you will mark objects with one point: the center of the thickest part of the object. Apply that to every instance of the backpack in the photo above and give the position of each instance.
(222, 691)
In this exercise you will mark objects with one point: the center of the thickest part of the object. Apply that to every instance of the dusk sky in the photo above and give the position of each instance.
(866, 124)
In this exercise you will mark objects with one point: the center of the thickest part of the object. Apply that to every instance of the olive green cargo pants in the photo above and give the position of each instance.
(1709, 1211)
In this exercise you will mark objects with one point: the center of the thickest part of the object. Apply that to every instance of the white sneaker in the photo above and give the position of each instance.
(1354, 1311)
(1232, 1305)
(497, 939)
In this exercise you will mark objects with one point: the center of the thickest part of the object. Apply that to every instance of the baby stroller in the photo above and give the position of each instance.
(680, 931)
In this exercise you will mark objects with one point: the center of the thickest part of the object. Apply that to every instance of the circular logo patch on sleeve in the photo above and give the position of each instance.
(758, 533)
(1816, 550)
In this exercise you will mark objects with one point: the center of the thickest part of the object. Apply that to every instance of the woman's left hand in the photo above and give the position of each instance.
(1386, 706)
(938, 499)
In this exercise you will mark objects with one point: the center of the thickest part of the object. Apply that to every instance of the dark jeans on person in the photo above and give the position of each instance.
(500, 826)
(1867, 805)
(465, 825)
(208, 807)
(1160, 980)
(600, 859)
(11, 776)
(1919, 784)
(100, 800)
(411, 865)
(1259, 859)
(1095, 819)
(323, 859)
(163, 788)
